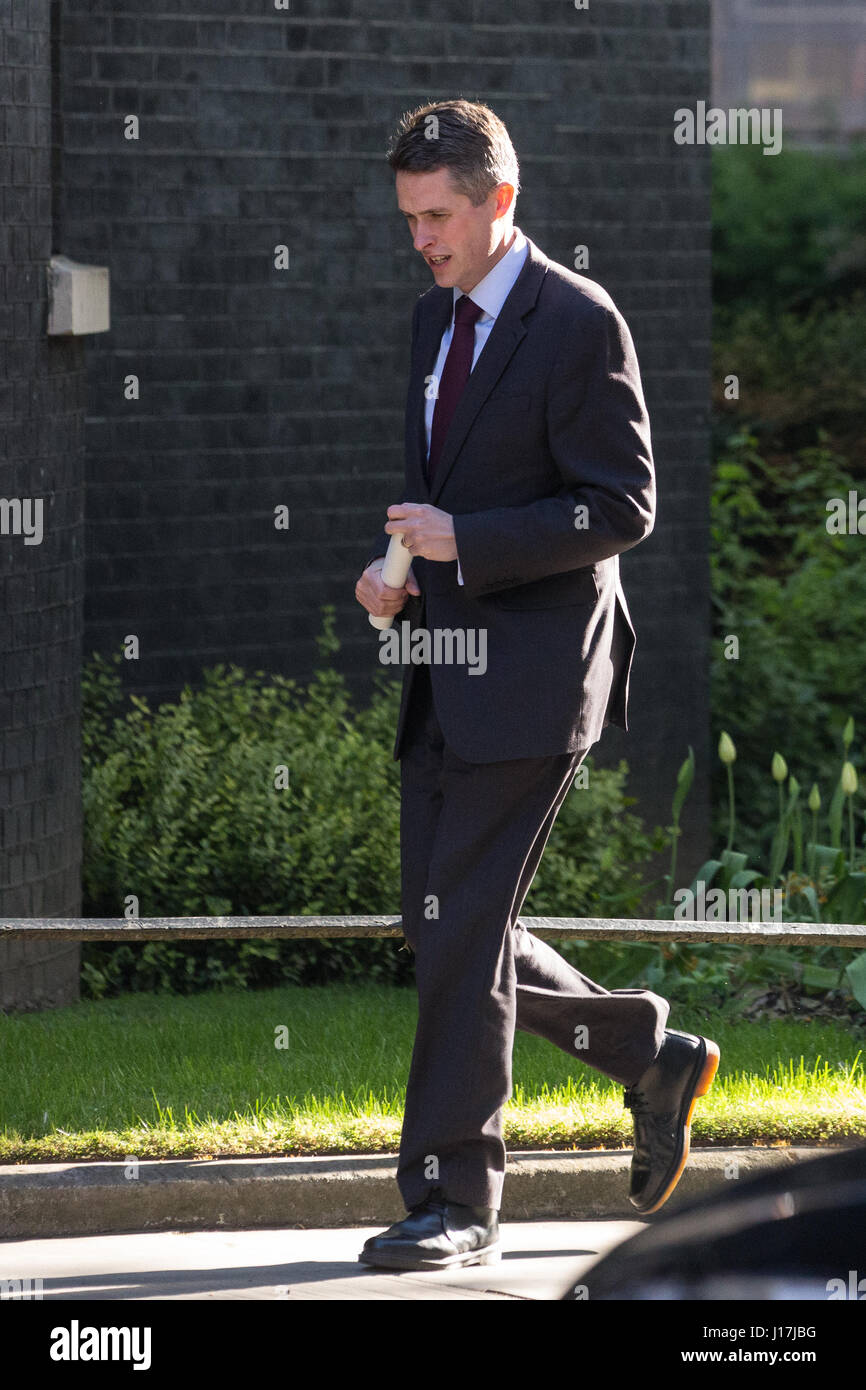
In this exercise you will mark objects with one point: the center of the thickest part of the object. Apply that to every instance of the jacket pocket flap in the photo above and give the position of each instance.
(554, 591)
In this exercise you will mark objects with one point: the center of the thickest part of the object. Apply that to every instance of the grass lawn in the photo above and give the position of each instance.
(174, 1076)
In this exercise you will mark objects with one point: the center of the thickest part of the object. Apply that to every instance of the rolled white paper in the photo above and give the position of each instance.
(394, 572)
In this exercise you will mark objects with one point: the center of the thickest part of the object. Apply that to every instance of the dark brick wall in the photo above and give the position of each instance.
(41, 457)
(261, 387)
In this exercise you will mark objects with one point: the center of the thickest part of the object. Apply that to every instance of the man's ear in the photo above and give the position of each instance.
(504, 198)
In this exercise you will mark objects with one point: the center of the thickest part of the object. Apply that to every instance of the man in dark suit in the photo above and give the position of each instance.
(528, 471)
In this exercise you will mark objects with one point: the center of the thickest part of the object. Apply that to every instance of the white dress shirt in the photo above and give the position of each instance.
(489, 294)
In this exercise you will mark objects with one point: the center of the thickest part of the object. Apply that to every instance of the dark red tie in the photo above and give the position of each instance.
(455, 374)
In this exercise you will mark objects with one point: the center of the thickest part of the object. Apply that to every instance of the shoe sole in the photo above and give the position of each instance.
(704, 1082)
(489, 1255)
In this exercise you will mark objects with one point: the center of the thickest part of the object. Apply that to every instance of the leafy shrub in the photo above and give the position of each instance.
(789, 275)
(794, 595)
(799, 373)
(789, 230)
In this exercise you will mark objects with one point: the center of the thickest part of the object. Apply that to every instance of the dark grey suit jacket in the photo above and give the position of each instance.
(552, 420)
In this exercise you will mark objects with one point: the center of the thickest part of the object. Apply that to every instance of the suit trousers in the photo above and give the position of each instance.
(472, 836)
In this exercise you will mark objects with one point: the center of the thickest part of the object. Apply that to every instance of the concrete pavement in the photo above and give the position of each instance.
(539, 1261)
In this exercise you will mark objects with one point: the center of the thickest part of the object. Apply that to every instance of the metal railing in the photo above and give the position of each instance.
(548, 928)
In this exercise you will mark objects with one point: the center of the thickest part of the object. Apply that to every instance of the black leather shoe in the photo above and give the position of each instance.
(661, 1102)
(437, 1234)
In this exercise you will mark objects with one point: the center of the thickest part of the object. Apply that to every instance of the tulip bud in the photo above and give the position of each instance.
(848, 734)
(779, 768)
(727, 751)
(793, 786)
(814, 798)
(849, 779)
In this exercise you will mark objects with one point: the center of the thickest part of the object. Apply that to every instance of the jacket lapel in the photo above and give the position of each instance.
(506, 333)
(436, 316)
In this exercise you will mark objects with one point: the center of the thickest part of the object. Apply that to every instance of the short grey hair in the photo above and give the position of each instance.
(465, 137)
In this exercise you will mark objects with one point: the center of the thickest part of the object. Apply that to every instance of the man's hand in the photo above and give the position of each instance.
(378, 597)
(428, 531)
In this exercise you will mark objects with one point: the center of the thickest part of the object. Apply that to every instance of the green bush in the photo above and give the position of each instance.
(181, 811)
(789, 275)
(799, 374)
(794, 595)
(787, 230)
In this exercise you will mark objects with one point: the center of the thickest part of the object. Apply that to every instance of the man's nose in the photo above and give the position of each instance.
(423, 239)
